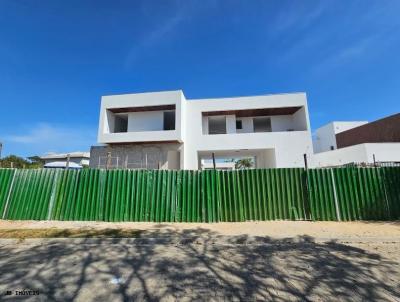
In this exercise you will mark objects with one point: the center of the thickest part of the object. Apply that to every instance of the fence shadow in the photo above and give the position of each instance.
(197, 264)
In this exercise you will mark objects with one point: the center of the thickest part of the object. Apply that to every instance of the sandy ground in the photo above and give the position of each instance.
(382, 231)
(252, 261)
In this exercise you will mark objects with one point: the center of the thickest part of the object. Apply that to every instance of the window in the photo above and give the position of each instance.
(332, 148)
(169, 120)
(262, 124)
(239, 124)
(121, 123)
(216, 125)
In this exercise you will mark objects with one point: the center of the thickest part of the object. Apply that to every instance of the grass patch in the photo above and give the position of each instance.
(68, 233)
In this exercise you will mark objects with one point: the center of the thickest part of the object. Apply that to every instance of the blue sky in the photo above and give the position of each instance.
(58, 57)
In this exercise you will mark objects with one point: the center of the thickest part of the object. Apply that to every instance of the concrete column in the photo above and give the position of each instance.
(230, 124)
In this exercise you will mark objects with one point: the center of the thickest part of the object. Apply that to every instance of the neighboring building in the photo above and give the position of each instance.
(164, 130)
(59, 160)
(377, 141)
(325, 137)
(385, 130)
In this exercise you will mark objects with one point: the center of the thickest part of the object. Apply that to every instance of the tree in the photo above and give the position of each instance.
(244, 163)
(13, 161)
(36, 161)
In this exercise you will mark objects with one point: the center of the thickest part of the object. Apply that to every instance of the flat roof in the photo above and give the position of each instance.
(65, 155)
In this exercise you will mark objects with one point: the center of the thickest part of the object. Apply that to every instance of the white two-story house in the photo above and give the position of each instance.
(165, 130)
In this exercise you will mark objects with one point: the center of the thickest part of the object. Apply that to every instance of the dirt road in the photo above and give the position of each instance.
(278, 261)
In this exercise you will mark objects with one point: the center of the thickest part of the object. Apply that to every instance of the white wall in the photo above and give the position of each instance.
(181, 126)
(339, 157)
(204, 124)
(301, 119)
(173, 160)
(362, 153)
(105, 135)
(145, 121)
(384, 152)
(325, 138)
(108, 122)
(247, 125)
(266, 159)
(281, 122)
(343, 126)
(230, 124)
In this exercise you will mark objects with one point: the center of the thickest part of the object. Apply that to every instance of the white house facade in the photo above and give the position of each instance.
(165, 130)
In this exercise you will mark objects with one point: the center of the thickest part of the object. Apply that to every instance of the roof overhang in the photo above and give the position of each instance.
(142, 108)
(255, 112)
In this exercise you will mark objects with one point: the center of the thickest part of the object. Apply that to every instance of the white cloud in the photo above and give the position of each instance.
(44, 137)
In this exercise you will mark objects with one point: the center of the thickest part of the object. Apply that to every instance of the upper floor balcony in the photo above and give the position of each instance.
(254, 121)
(141, 117)
(140, 124)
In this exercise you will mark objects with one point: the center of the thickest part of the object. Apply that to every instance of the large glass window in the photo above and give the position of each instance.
(262, 124)
(216, 125)
(239, 124)
(121, 123)
(169, 120)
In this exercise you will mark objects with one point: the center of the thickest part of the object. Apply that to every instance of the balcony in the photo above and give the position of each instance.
(239, 124)
(261, 140)
(144, 124)
(140, 136)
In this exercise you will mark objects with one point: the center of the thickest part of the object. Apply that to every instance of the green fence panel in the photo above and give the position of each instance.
(6, 180)
(201, 196)
(78, 195)
(65, 195)
(361, 194)
(31, 194)
(260, 194)
(391, 176)
(321, 194)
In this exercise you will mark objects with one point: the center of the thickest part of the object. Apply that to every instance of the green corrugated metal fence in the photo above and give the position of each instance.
(201, 196)
(354, 193)
(391, 181)
(30, 194)
(261, 194)
(6, 179)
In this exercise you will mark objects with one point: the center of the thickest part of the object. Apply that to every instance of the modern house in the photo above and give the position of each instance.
(75, 160)
(340, 143)
(165, 130)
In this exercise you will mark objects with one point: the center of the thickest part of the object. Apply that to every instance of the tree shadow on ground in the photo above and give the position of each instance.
(196, 265)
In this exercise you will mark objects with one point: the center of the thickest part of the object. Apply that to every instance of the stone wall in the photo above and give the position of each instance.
(136, 156)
